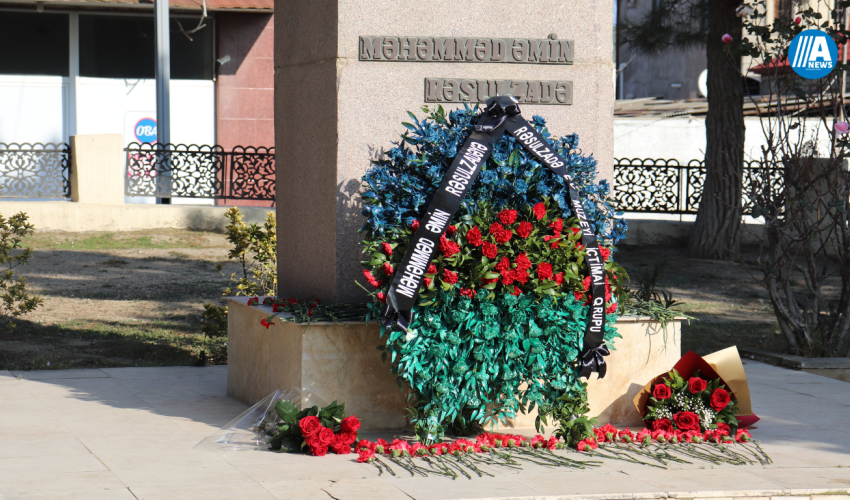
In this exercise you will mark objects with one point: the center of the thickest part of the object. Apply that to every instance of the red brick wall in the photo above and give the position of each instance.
(245, 85)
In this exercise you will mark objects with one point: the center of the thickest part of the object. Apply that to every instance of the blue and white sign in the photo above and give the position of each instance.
(813, 54)
(145, 130)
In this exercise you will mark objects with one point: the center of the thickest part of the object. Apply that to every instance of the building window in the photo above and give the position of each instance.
(116, 46)
(34, 43)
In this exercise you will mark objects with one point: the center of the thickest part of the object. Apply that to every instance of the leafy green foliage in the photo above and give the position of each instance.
(13, 253)
(255, 248)
(466, 360)
(569, 414)
(214, 321)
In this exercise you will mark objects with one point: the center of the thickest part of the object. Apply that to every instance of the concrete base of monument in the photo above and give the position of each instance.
(326, 362)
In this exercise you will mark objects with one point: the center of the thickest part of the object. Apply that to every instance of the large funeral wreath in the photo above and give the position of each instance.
(501, 318)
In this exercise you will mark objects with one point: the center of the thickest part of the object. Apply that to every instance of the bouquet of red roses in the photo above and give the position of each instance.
(314, 429)
(692, 404)
(699, 394)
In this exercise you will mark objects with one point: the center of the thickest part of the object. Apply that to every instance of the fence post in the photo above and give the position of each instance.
(97, 169)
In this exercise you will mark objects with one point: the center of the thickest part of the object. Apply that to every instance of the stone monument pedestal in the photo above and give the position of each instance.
(325, 362)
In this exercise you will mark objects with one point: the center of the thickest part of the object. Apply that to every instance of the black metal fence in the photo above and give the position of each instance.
(35, 170)
(192, 171)
(670, 187)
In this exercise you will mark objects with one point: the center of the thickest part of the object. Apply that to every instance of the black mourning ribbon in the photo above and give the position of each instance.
(500, 115)
(591, 360)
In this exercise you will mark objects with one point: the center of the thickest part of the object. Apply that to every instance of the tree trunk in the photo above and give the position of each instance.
(715, 234)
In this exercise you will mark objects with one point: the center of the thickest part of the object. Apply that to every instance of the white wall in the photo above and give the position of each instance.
(683, 138)
(33, 109)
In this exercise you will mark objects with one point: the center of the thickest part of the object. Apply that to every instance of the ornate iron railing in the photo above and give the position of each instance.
(192, 171)
(35, 170)
(670, 187)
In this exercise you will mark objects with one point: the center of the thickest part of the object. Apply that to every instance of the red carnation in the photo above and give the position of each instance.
(350, 424)
(508, 277)
(266, 323)
(388, 268)
(661, 391)
(432, 269)
(723, 428)
(387, 249)
(496, 228)
(575, 230)
(522, 262)
(606, 254)
(448, 247)
(662, 424)
(521, 276)
(504, 237)
(451, 230)
(467, 292)
(449, 277)
(383, 297)
(414, 225)
(559, 278)
(309, 426)
(557, 225)
(540, 211)
(719, 399)
(253, 301)
(686, 421)
(611, 309)
(427, 282)
(503, 265)
(696, 385)
(489, 250)
(516, 291)
(524, 229)
(544, 271)
(507, 217)
(473, 236)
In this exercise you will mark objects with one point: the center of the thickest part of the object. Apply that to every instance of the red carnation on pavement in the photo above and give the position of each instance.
(489, 250)
(719, 399)
(432, 269)
(524, 229)
(414, 225)
(473, 236)
(388, 268)
(449, 277)
(661, 391)
(696, 384)
(387, 249)
(448, 247)
(722, 427)
(539, 211)
(507, 217)
(253, 301)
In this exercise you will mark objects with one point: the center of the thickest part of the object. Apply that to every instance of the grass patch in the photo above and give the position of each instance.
(130, 240)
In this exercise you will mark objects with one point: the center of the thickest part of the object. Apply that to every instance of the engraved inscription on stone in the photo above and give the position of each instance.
(463, 49)
(527, 91)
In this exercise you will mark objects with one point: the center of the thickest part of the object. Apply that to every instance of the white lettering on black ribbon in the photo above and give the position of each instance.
(501, 114)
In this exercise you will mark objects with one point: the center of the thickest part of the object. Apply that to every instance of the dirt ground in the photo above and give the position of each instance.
(118, 299)
(135, 299)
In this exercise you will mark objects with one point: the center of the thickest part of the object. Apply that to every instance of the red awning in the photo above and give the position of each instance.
(781, 66)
